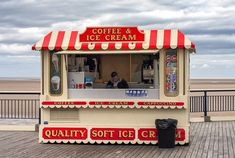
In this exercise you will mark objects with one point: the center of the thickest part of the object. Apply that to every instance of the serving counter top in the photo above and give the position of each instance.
(113, 93)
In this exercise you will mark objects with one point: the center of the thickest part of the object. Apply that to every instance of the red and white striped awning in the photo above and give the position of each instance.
(154, 40)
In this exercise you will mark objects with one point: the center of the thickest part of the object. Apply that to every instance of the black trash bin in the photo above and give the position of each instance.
(166, 132)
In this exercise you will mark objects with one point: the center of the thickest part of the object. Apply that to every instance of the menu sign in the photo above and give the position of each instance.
(112, 134)
(171, 72)
(65, 133)
(151, 134)
(55, 74)
(116, 134)
(111, 34)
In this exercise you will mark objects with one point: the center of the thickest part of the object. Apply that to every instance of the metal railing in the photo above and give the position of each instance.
(22, 108)
(212, 103)
(11, 108)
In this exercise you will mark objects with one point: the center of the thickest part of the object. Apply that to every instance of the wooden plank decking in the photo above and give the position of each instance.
(212, 140)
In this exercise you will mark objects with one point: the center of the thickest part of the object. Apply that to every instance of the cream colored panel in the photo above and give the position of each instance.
(131, 45)
(147, 39)
(91, 46)
(42, 83)
(104, 46)
(64, 114)
(66, 39)
(78, 45)
(118, 45)
(187, 43)
(53, 39)
(45, 113)
(174, 37)
(46, 72)
(160, 37)
(161, 73)
(39, 44)
(65, 78)
(130, 117)
(180, 71)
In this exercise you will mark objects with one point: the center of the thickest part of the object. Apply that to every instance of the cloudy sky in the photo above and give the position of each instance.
(209, 24)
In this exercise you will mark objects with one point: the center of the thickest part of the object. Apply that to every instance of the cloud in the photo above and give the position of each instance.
(205, 66)
(212, 65)
(215, 58)
(19, 59)
(11, 49)
(209, 24)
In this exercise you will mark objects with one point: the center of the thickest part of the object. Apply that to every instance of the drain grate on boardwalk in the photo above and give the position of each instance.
(212, 139)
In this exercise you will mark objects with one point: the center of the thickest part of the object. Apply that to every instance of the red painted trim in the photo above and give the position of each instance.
(103, 32)
(108, 134)
(180, 40)
(111, 46)
(180, 134)
(151, 134)
(167, 39)
(147, 134)
(153, 39)
(72, 40)
(152, 103)
(192, 45)
(97, 46)
(112, 134)
(139, 46)
(34, 47)
(64, 133)
(111, 103)
(59, 40)
(115, 103)
(84, 46)
(125, 46)
(46, 41)
(63, 103)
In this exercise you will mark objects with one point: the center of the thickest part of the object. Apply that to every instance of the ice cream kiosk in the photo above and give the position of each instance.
(76, 104)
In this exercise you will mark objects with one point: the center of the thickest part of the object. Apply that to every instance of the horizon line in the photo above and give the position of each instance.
(38, 78)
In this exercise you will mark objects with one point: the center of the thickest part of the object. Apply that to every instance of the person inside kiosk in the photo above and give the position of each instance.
(116, 82)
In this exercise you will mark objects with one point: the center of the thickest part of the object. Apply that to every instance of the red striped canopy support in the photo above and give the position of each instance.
(154, 40)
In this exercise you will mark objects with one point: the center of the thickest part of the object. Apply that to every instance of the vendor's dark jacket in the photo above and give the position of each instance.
(121, 84)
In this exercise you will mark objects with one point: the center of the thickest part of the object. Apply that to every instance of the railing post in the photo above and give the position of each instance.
(205, 103)
(206, 118)
(39, 118)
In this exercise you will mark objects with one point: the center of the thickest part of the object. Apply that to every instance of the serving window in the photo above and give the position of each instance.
(88, 73)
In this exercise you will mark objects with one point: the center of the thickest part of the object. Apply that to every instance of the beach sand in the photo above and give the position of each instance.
(195, 84)
(212, 84)
(19, 85)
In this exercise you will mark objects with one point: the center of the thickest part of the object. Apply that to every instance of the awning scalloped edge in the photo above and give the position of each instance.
(115, 106)
(107, 141)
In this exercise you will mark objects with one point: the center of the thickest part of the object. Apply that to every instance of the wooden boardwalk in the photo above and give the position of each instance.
(212, 139)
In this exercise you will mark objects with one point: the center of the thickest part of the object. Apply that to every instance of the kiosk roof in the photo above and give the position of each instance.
(153, 40)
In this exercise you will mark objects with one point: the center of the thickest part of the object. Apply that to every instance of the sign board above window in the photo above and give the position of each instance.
(112, 34)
